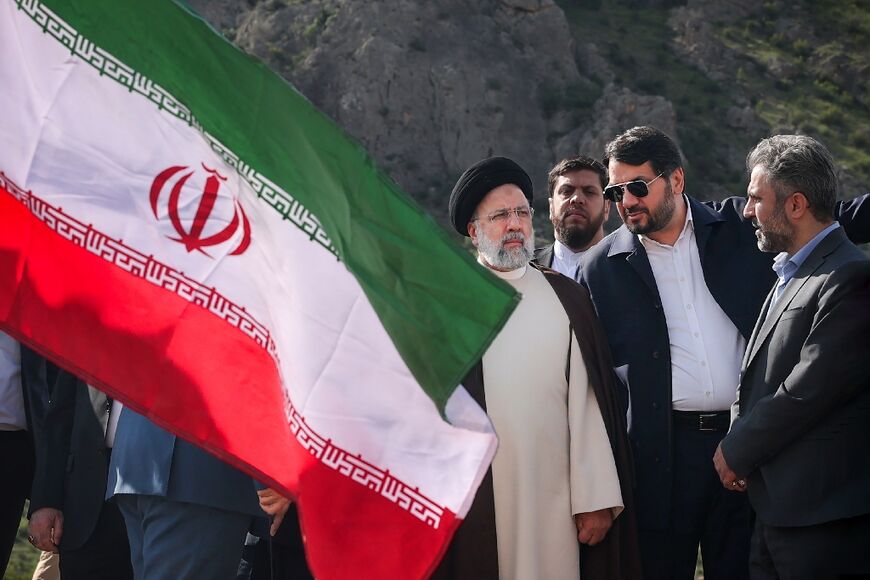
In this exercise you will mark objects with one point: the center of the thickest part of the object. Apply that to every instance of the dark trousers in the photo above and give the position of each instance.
(278, 558)
(703, 513)
(829, 551)
(106, 553)
(16, 476)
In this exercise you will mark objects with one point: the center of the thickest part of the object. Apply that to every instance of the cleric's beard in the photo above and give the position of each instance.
(499, 257)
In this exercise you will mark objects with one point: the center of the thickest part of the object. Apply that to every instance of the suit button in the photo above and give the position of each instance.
(656, 305)
(655, 405)
(655, 354)
(658, 460)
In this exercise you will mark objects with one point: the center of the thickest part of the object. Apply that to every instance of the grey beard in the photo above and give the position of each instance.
(496, 255)
(777, 236)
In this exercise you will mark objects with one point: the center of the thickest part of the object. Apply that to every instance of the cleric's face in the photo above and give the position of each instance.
(501, 228)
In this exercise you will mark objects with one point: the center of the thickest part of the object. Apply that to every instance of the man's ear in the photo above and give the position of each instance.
(796, 206)
(472, 233)
(606, 209)
(678, 180)
(550, 203)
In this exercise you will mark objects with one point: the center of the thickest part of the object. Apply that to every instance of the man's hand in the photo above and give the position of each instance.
(729, 479)
(593, 526)
(46, 529)
(274, 504)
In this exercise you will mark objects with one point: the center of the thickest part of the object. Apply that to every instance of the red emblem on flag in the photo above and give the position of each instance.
(195, 237)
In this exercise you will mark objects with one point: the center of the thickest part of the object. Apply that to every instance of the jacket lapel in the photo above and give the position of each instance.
(626, 242)
(753, 340)
(703, 218)
(816, 258)
(544, 256)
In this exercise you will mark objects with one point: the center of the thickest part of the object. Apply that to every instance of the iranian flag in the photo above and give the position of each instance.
(182, 229)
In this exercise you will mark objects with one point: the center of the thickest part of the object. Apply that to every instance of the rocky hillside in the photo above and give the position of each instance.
(431, 87)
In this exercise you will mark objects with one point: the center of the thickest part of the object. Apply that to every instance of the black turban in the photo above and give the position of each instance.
(480, 179)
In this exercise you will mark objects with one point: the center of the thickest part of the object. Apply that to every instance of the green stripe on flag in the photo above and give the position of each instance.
(438, 307)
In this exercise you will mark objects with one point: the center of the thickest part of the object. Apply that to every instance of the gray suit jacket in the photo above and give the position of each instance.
(802, 418)
(147, 460)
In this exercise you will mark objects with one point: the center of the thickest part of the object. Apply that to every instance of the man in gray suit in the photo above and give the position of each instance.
(187, 512)
(801, 424)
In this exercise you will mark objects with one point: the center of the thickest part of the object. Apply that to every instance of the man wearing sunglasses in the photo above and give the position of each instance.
(578, 211)
(678, 288)
(545, 382)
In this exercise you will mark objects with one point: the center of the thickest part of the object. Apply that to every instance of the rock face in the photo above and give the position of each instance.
(618, 109)
(431, 87)
(428, 87)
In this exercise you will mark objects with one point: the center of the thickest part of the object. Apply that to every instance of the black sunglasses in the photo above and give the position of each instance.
(637, 188)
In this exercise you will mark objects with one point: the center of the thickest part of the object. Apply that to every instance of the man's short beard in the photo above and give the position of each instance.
(578, 237)
(497, 256)
(658, 218)
(777, 234)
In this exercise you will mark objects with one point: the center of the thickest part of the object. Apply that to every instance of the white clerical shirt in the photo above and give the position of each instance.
(566, 261)
(706, 347)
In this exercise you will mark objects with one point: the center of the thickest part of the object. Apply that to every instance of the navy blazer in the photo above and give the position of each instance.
(623, 289)
(148, 460)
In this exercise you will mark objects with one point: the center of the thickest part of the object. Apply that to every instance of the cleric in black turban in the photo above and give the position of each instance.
(480, 179)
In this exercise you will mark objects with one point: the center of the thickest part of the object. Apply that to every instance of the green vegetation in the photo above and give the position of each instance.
(24, 556)
(316, 27)
(578, 98)
(802, 67)
(823, 89)
(636, 43)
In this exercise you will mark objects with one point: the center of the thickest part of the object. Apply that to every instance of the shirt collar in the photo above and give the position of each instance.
(785, 266)
(566, 254)
(688, 226)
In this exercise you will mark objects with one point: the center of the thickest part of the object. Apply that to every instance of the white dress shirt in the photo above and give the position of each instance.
(706, 347)
(12, 417)
(566, 261)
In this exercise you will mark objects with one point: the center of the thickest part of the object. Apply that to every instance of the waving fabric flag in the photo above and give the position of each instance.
(184, 230)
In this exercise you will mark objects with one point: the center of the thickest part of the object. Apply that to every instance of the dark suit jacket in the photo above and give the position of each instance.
(803, 413)
(71, 461)
(37, 377)
(544, 256)
(620, 281)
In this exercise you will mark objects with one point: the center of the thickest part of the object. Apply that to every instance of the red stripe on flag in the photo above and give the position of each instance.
(191, 372)
(173, 361)
(337, 508)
